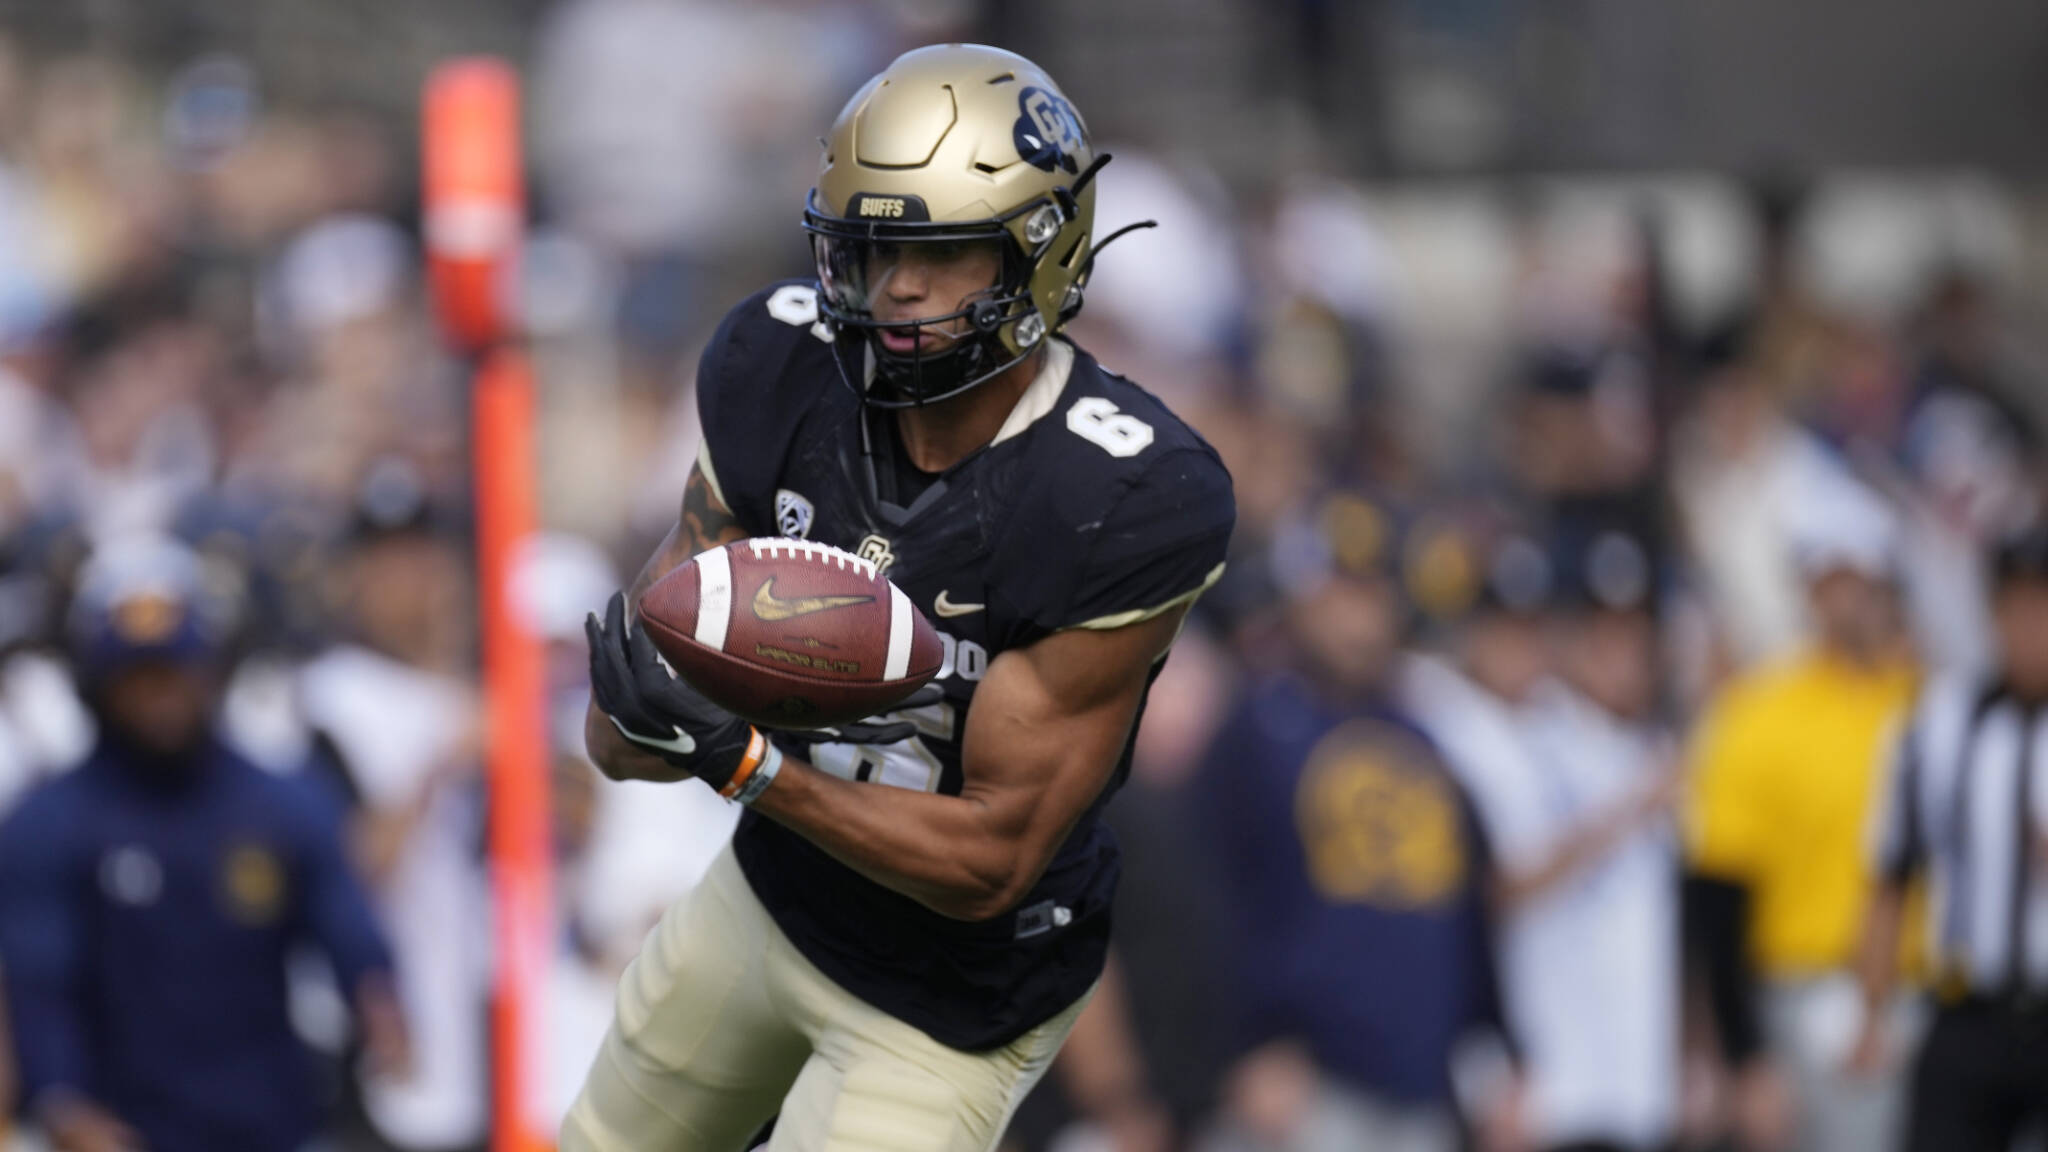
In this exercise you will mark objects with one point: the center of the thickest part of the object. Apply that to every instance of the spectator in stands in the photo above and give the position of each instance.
(1352, 870)
(1786, 763)
(1738, 456)
(150, 898)
(1974, 461)
(1139, 1069)
(393, 704)
(1576, 808)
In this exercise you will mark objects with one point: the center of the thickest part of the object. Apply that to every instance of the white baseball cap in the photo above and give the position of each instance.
(1840, 523)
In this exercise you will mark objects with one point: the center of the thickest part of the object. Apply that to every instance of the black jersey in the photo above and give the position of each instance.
(1094, 507)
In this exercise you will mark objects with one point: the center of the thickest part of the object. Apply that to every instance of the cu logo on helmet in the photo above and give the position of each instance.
(1048, 130)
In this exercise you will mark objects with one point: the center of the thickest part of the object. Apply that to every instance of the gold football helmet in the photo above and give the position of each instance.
(952, 144)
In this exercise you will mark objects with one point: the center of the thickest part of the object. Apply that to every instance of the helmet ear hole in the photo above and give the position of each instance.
(1044, 224)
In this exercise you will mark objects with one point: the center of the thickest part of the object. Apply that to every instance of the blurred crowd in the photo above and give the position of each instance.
(1594, 538)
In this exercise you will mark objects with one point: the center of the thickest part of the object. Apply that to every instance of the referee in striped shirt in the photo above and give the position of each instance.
(1967, 800)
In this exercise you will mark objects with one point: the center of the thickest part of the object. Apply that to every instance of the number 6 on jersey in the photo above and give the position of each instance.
(1097, 420)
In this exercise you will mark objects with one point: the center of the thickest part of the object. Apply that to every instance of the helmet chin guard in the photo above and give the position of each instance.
(918, 379)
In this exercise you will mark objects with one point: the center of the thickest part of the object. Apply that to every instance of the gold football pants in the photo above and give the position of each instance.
(721, 1024)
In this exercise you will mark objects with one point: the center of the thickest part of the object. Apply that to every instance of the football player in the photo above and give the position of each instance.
(902, 933)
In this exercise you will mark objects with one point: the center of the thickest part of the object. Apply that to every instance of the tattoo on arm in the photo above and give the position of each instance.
(708, 522)
(704, 523)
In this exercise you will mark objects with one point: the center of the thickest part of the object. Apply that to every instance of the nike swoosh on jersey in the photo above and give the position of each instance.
(946, 607)
(768, 607)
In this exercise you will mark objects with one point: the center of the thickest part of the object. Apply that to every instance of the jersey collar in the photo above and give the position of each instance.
(1042, 393)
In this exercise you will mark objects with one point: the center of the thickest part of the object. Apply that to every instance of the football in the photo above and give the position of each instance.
(790, 634)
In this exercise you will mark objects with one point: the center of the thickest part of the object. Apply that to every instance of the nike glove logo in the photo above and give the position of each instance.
(767, 607)
(946, 607)
(682, 744)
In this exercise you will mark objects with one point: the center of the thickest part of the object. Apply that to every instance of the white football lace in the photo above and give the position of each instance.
(769, 547)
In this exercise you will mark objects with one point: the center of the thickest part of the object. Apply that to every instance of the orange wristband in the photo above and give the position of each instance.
(757, 751)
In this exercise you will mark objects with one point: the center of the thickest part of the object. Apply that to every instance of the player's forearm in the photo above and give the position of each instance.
(952, 854)
(1100, 1067)
(1715, 912)
(1877, 954)
(386, 1037)
(1048, 728)
(1578, 851)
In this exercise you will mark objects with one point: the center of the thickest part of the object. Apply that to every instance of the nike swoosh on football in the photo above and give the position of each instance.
(945, 607)
(768, 607)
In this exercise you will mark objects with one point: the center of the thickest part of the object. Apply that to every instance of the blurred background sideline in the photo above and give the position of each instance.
(1676, 298)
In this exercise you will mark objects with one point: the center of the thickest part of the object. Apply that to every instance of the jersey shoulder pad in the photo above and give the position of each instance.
(1134, 505)
(764, 368)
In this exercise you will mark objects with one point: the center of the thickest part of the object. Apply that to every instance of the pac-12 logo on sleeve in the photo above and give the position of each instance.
(792, 514)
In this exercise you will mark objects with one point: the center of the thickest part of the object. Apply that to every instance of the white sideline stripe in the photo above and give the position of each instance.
(900, 632)
(714, 598)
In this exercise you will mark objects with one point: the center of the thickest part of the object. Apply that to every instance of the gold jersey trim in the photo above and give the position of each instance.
(710, 473)
(1138, 615)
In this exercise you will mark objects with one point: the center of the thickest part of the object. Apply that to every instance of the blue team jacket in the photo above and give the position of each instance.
(143, 942)
(1354, 877)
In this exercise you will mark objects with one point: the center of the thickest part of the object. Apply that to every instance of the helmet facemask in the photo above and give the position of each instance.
(936, 355)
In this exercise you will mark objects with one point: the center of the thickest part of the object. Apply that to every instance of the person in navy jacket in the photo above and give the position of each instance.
(1354, 871)
(150, 898)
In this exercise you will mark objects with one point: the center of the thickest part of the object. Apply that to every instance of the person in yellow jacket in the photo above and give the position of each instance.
(1785, 767)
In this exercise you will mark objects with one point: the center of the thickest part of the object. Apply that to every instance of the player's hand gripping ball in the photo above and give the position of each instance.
(654, 709)
(790, 634)
(633, 684)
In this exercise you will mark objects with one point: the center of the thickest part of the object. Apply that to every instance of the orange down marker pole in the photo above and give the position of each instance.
(473, 214)
(515, 691)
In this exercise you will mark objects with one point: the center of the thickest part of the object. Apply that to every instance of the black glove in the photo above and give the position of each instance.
(873, 730)
(657, 710)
